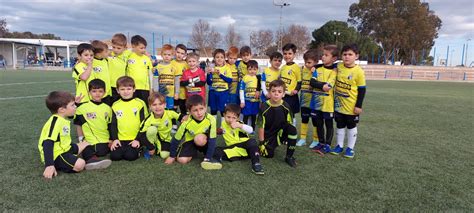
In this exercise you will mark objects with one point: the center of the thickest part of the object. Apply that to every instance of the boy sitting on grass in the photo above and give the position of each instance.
(55, 147)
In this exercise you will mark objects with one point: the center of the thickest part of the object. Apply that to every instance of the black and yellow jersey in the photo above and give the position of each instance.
(324, 101)
(290, 73)
(179, 67)
(273, 117)
(250, 85)
(348, 81)
(100, 70)
(81, 85)
(117, 66)
(270, 75)
(218, 83)
(306, 92)
(233, 136)
(94, 118)
(166, 75)
(163, 124)
(191, 127)
(242, 68)
(126, 118)
(235, 79)
(139, 68)
(58, 130)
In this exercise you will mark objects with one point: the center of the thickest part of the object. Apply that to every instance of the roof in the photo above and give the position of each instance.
(43, 42)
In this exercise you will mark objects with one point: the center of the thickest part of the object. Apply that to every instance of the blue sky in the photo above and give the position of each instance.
(95, 19)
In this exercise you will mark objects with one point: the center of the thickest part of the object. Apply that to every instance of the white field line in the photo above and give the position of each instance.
(23, 97)
(37, 82)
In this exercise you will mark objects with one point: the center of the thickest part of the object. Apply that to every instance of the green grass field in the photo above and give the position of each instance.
(414, 153)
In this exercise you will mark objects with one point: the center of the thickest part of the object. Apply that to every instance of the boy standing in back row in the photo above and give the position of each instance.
(291, 74)
(118, 62)
(349, 95)
(139, 67)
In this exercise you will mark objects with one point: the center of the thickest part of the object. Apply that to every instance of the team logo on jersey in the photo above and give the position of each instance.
(349, 77)
(65, 130)
(91, 115)
(119, 113)
(166, 122)
(144, 62)
(131, 61)
(135, 110)
(106, 115)
(290, 71)
(191, 132)
(97, 69)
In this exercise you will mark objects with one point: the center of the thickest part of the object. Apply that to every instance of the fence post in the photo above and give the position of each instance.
(385, 74)
(437, 77)
(464, 78)
(411, 75)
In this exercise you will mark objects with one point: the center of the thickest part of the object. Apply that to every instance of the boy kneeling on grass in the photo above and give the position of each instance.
(55, 147)
(199, 132)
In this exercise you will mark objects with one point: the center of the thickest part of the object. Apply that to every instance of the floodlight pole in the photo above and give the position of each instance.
(281, 5)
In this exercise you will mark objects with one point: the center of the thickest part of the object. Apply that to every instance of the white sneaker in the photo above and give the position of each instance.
(301, 142)
(313, 144)
(98, 164)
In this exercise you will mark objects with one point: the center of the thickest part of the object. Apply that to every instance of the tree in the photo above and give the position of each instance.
(204, 37)
(3, 28)
(232, 38)
(261, 40)
(340, 33)
(404, 29)
(298, 35)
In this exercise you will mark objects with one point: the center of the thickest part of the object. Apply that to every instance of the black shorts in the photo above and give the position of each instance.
(294, 102)
(165, 146)
(343, 120)
(323, 115)
(66, 161)
(273, 141)
(307, 112)
(189, 149)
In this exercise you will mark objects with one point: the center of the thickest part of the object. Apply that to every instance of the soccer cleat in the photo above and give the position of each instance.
(337, 150)
(301, 142)
(257, 168)
(349, 153)
(318, 149)
(211, 164)
(93, 164)
(313, 144)
(291, 161)
(326, 148)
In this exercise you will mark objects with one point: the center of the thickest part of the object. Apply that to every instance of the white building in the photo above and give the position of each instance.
(19, 53)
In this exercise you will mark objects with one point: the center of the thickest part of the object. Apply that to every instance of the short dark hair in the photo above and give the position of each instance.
(58, 99)
(245, 49)
(252, 63)
(96, 84)
(125, 81)
(352, 47)
(137, 39)
(217, 51)
(83, 47)
(289, 46)
(277, 83)
(181, 46)
(99, 46)
(194, 100)
(233, 108)
(276, 55)
(311, 54)
(333, 49)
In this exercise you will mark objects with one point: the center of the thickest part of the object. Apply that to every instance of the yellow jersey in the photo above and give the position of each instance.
(348, 81)
(179, 67)
(139, 68)
(291, 74)
(117, 66)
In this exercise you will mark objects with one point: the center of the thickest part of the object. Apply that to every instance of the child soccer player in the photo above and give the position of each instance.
(238, 143)
(307, 92)
(232, 55)
(349, 95)
(219, 79)
(139, 67)
(166, 76)
(179, 66)
(100, 66)
(270, 74)
(194, 78)
(128, 113)
(274, 123)
(291, 74)
(199, 133)
(156, 129)
(55, 147)
(245, 55)
(322, 105)
(82, 71)
(92, 121)
(250, 93)
(118, 62)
